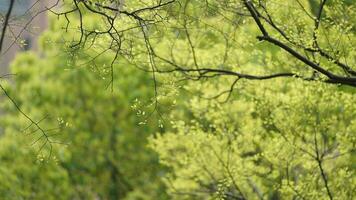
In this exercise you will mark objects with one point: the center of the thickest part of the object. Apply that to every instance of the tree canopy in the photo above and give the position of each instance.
(184, 99)
(313, 41)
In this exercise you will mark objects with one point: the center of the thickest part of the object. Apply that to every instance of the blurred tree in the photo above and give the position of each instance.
(91, 146)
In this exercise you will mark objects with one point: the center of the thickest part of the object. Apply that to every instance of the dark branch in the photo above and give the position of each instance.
(6, 22)
(332, 78)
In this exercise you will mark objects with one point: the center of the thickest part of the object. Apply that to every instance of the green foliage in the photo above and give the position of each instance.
(25, 177)
(277, 139)
(264, 142)
(219, 136)
(96, 149)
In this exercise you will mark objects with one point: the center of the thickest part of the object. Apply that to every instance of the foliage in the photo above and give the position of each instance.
(254, 100)
(265, 143)
(93, 147)
(278, 139)
(315, 44)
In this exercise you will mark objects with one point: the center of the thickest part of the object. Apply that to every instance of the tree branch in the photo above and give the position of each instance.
(6, 22)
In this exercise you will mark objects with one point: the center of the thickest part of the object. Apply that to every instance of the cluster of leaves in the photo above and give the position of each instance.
(91, 145)
(177, 35)
(282, 140)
